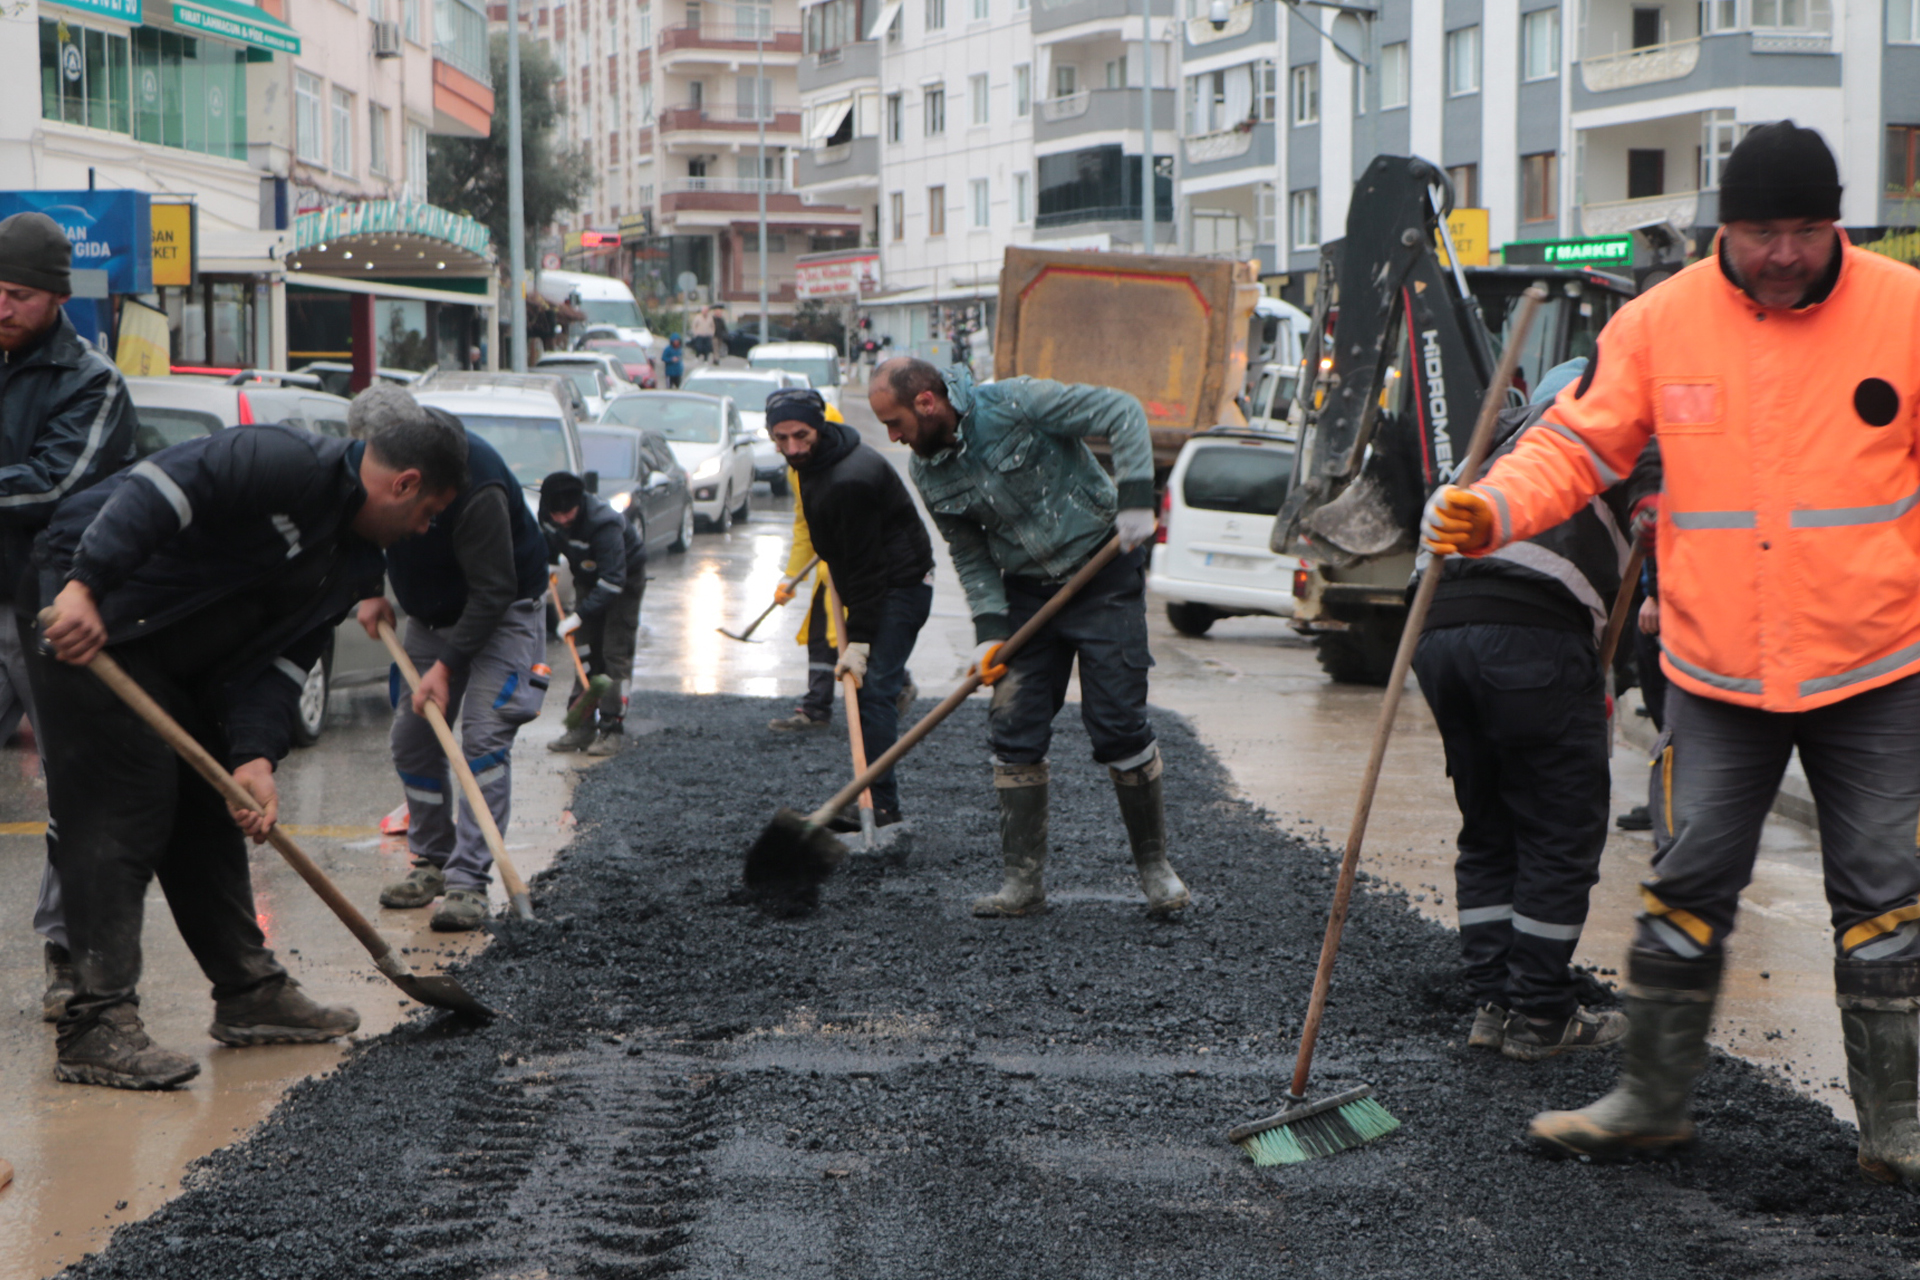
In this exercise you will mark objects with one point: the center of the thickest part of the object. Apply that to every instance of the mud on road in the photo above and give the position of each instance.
(889, 1088)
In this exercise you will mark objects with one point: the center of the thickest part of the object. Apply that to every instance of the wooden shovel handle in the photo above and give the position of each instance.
(856, 735)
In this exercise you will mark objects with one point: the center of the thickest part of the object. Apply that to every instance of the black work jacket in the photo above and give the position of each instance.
(864, 525)
(604, 553)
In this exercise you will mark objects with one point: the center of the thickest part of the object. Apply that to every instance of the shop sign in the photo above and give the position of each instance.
(111, 232)
(173, 246)
(1606, 251)
(233, 21)
(1469, 229)
(390, 217)
(127, 11)
(837, 275)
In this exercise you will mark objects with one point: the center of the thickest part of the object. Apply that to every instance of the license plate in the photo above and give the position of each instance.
(1227, 560)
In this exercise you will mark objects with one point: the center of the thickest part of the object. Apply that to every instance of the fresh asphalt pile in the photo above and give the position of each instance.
(886, 1087)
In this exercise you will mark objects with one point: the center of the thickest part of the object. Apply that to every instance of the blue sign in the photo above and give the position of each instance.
(111, 231)
(120, 10)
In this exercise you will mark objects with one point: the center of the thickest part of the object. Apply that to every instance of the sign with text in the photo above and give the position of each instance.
(1606, 251)
(1468, 227)
(111, 231)
(173, 247)
(837, 275)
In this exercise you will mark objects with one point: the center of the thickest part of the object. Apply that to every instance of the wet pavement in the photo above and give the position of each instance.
(1292, 743)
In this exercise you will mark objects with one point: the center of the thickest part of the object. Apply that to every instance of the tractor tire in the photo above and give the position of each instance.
(1361, 655)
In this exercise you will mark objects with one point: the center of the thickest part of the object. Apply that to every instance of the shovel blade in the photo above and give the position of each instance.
(791, 854)
(443, 993)
(744, 639)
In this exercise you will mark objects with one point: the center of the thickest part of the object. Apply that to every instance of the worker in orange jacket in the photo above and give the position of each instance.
(1780, 378)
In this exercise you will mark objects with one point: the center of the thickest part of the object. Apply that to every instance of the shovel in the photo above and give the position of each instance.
(856, 736)
(798, 853)
(516, 887)
(438, 990)
(591, 691)
(754, 626)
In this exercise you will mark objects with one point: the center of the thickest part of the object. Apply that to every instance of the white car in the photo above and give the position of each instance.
(532, 433)
(1210, 557)
(599, 376)
(708, 437)
(817, 362)
(749, 389)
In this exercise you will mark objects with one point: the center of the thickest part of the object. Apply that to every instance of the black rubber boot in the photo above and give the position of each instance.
(60, 980)
(1143, 808)
(1665, 1052)
(116, 1052)
(1883, 1074)
(278, 1012)
(1022, 789)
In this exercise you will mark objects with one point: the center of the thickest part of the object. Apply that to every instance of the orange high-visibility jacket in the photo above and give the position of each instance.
(1789, 539)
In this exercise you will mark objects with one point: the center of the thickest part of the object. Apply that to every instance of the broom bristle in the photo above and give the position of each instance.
(1324, 1133)
(589, 699)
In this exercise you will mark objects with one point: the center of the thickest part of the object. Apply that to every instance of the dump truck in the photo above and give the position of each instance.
(1170, 330)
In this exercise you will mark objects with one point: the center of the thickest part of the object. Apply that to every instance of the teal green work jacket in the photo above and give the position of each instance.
(1019, 492)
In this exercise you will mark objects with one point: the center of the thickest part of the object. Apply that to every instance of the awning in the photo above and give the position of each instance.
(827, 123)
(235, 21)
(885, 20)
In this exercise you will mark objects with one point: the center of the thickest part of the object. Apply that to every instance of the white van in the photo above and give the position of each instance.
(818, 362)
(605, 300)
(1210, 557)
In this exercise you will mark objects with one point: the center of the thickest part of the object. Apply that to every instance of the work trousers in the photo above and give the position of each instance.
(818, 704)
(1104, 630)
(1715, 772)
(903, 611)
(16, 697)
(498, 692)
(606, 643)
(123, 809)
(1522, 714)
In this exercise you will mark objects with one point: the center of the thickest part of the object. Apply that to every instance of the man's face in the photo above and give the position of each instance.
(397, 505)
(794, 440)
(1780, 261)
(561, 519)
(25, 314)
(926, 426)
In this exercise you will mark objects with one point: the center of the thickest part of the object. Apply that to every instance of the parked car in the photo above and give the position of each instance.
(1272, 402)
(552, 382)
(817, 362)
(1210, 558)
(706, 434)
(599, 377)
(634, 359)
(335, 375)
(640, 477)
(749, 389)
(744, 334)
(525, 424)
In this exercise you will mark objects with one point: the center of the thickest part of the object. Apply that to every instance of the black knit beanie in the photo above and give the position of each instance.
(1780, 171)
(797, 404)
(561, 491)
(34, 252)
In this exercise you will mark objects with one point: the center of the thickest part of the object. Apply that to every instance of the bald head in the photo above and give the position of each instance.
(909, 396)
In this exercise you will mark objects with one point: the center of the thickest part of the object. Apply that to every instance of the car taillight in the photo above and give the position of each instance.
(1299, 584)
(1166, 513)
(246, 411)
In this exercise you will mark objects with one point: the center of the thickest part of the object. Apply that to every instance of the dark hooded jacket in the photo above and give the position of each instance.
(863, 523)
(604, 553)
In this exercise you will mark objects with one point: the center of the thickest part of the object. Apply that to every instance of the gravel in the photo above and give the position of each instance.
(886, 1087)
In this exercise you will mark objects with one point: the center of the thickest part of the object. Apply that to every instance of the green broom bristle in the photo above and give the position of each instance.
(1325, 1134)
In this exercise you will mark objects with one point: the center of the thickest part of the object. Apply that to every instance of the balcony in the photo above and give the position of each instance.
(848, 165)
(1617, 217)
(729, 118)
(1247, 24)
(462, 75)
(828, 67)
(1648, 65)
(721, 202)
(1099, 111)
(1245, 146)
(1052, 15)
(732, 43)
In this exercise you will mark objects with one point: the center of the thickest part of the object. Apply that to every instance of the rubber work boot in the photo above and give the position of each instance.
(116, 1052)
(573, 739)
(1883, 1058)
(460, 910)
(423, 884)
(60, 980)
(1022, 789)
(279, 1012)
(1528, 1041)
(799, 722)
(1143, 808)
(1665, 1052)
(608, 743)
(1489, 1027)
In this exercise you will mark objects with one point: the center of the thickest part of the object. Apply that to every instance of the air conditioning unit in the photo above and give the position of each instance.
(386, 39)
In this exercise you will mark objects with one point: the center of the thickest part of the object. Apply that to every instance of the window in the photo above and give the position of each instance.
(460, 38)
(377, 128)
(410, 20)
(1540, 186)
(1646, 27)
(1466, 185)
(979, 10)
(1540, 43)
(1646, 173)
(83, 77)
(306, 119)
(1066, 79)
(936, 211)
(1116, 73)
(1229, 98)
(897, 215)
(977, 202)
(753, 96)
(1022, 198)
(893, 117)
(1023, 89)
(1266, 214)
(643, 22)
(1463, 61)
(1903, 23)
(977, 98)
(831, 25)
(1719, 133)
(646, 102)
(1306, 93)
(417, 162)
(1719, 15)
(1394, 84)
(1793, 15)
(776, 241)
(936, 110)
(1266, 87)
(936, 14)
(1903, 150)
(1303, 210)
(342, 123)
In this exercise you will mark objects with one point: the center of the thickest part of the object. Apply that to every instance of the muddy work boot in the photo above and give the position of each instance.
(279, 1012)
(573, 739)
(60, 980)
(1022, 789)
(1489, 1027)
(116, 1052)
(1143, 809)
(461, 910)
(1883, 1059)
(799, 722)
(1527, 1040)
(1665, 1052)
(609, 742)
(423, 884)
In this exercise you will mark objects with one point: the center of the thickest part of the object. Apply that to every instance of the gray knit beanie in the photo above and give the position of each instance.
(34, 252)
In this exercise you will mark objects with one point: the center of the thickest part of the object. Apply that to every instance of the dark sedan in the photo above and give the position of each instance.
(639, 477)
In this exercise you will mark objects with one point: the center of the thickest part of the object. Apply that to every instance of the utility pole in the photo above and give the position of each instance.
(516, 194)
(1146, 126)
(761, 17)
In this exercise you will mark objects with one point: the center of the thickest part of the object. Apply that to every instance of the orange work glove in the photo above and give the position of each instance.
(983, 661)
(783, 592)
(1456, 520)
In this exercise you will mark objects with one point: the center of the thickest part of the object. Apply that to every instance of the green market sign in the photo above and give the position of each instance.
(234, 21)
(1608, 251)
(391, 217)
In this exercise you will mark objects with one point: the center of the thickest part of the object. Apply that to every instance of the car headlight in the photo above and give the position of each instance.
(621, 501)
(708, 469)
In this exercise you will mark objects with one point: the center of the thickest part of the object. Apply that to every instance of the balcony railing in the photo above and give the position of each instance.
(729, 186)
(1222, 144)
(731, 37)
(1066, 108)
(731, 117)
(1616, 217)
(1648, 65)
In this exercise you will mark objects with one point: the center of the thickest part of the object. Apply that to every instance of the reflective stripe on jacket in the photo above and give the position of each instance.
(1789, 539)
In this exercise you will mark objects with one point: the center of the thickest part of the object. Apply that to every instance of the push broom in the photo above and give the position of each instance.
(1307, 1130)
(591, 690)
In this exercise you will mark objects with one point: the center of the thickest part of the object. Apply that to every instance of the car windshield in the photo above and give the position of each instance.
(1228, 477)
(611, 453)
(159, 428)
(624, 312)
(688, 421)
(625, 352)
(749, 394)
(584, 376)
(534, 447)
(821, 371)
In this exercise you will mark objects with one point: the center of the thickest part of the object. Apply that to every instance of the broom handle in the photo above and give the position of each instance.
(1622, 604)
(949, 704)
(754, 626)
(579, 668)
(856, 736)
(1477, 450)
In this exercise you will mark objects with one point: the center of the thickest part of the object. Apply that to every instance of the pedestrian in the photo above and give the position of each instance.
(870, 539)
(214, 572)
(702, 329)
(1509, 662)
(1023, 505)
(721, 349)
(65, 423)
(673, 362)
(609, 565)
(474, 589)
(1778, 376)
